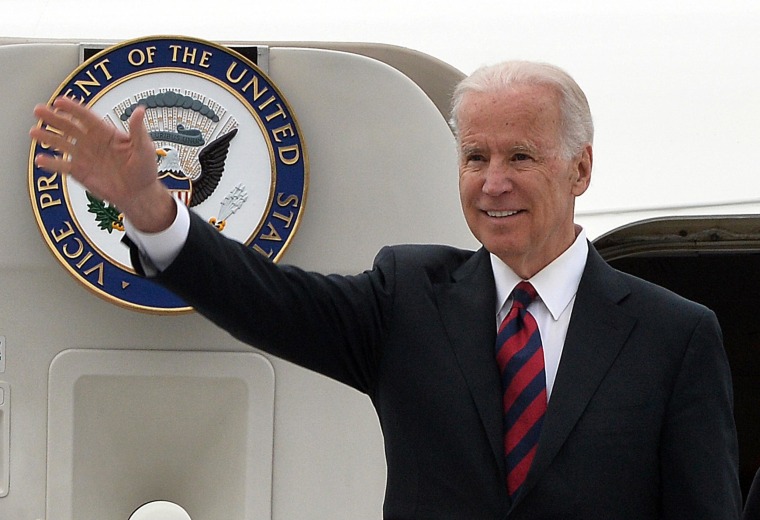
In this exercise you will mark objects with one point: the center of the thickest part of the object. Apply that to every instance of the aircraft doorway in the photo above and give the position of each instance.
(714, 261)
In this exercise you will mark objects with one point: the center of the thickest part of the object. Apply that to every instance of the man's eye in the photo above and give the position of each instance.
(475, 157)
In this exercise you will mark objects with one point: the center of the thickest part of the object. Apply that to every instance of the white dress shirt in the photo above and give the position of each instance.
(556, 285)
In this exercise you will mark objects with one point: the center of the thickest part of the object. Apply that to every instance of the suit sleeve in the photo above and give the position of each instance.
(699, 445)
(331, 324)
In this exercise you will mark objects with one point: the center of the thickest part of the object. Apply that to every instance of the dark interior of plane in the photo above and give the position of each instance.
(728, 283)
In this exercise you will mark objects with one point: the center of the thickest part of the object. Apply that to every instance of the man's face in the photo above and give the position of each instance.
(516, 188)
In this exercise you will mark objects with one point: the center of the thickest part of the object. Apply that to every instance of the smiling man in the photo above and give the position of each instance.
(525, 380)
(518, 178)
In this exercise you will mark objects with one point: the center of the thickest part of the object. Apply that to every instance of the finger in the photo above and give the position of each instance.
(81, 114)
(89, 125)
(59, 122)
(52, 163)
(52, 140)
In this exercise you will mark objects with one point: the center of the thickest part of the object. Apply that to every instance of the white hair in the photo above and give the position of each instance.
(577, 127)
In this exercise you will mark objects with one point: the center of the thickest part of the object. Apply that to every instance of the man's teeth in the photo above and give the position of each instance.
(501, 213)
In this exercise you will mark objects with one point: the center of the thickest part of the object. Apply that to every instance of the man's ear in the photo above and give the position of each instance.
(582, 174)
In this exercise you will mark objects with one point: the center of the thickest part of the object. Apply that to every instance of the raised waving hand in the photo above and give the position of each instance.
(114, 165)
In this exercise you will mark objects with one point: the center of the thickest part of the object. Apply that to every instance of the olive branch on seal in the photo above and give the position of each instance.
(107, 216)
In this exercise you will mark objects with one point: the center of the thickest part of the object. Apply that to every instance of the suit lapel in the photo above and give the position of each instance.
(596, 333)
(467, 309)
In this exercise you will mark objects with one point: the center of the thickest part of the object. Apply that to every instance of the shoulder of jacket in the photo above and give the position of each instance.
(426, 254)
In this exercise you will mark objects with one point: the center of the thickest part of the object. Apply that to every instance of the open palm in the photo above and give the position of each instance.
(114, 165)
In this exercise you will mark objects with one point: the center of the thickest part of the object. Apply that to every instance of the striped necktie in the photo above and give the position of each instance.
(520, 357)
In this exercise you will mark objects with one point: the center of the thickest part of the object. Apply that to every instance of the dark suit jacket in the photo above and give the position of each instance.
(752, 505)
(639, 425)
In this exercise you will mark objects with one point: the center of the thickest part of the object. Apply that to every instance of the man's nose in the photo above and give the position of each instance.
(498, 178)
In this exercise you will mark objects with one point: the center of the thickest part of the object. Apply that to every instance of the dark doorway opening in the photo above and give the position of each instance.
(716, 262)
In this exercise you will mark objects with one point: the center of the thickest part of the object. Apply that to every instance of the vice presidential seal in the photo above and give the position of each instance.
(227, 144)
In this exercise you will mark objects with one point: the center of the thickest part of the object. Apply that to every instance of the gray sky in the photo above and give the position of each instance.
(672, 83)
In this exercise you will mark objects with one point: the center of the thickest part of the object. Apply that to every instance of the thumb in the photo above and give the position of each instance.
(137, 130)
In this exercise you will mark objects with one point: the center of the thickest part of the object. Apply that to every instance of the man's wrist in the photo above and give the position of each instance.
(162, 247)
(153, 211)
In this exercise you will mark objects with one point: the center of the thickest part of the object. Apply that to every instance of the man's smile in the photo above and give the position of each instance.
(503, 213)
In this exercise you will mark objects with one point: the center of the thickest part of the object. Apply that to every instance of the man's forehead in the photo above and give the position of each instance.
(524, 118)
(514, 98)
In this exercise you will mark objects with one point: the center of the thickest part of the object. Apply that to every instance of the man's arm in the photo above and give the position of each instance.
(699, 450)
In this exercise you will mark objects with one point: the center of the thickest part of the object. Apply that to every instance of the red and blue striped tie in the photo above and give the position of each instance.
(520, 357)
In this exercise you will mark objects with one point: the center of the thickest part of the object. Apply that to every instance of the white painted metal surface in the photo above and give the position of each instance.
(382, 170)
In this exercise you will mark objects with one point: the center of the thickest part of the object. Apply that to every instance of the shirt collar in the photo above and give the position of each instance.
(556, 284)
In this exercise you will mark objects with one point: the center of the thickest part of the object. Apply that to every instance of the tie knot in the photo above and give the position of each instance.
(523, 294)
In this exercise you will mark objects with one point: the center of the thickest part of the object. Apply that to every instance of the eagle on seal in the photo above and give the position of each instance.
(194, 191)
